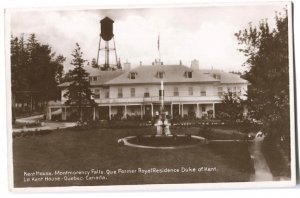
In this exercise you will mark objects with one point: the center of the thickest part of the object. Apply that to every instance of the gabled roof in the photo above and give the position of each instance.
(172, 74)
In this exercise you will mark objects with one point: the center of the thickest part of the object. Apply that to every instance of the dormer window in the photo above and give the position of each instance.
(93, 78)
(189, 74)
(160, 74)
(132, 75)
(217, 76)
(96, 94)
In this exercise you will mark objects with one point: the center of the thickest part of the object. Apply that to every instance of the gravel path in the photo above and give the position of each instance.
(262, 170)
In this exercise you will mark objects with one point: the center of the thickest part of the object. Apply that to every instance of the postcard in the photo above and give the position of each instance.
(151, 97)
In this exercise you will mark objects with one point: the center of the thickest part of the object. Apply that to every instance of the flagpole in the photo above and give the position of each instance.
(162, 94)
(158, 47)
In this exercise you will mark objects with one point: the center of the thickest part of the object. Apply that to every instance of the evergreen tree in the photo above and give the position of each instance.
(268, 74)
(231, 107)
(79, 93)
(36, 72)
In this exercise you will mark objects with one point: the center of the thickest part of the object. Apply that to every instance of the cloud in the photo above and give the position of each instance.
(204, 33)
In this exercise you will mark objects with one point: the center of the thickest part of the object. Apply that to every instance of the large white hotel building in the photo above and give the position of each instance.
(134, 92)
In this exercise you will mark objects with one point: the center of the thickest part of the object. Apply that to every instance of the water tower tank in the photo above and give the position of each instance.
(106, 29)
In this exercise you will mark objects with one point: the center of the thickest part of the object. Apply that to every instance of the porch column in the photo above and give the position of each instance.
(49, 113)
(109, 112)
(151, 110)
(66, 113)
(125, 111)
(94, 113)
(63, 113)
(141, 111)
(198, 111)
(182, 110)
(214, 115)
(179, 109)
(171, 110)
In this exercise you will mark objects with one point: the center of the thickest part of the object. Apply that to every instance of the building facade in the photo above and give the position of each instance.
(189, 92)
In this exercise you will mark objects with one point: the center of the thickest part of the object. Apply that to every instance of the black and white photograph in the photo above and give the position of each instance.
(164, 97)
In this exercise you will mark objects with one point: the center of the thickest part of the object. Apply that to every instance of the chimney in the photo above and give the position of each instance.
(195, 64)
(127, 66)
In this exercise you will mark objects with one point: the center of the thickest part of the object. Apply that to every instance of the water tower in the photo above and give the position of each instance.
(107, 36)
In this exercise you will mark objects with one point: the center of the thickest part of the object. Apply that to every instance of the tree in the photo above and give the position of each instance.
(36, 72)
(79, 93)
(231, 107)
(268, 74)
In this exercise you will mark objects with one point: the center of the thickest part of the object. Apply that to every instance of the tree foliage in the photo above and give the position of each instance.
(231, 107)
(35, 71)
(268, 63)
(79, 94)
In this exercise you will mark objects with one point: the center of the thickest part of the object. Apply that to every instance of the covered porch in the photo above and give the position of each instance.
(134, 111)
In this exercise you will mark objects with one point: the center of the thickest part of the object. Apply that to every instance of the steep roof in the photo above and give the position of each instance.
(172, 74)
(148, 75)
(103, 76)
(226, 77)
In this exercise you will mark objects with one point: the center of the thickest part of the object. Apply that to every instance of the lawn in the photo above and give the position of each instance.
(83, 150)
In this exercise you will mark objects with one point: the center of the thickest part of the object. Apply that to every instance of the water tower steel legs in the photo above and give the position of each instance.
(106, 64)
(98, 51)
(106, 49)
(115, 49)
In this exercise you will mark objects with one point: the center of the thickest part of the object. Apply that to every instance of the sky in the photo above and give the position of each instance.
(185, 33)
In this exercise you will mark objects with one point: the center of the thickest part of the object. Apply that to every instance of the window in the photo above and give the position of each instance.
(97, 94)
(234, 91)
(217, 76)
(133, 75)
(203, 91)
(132, 92)
(120, 93)
(107, 94)
(238, 91)
(93, 78)
(220, 91)
(146, 93)
(189, 74)
(191, 91)
(176, 92)
(203, 109)
(160, 74)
